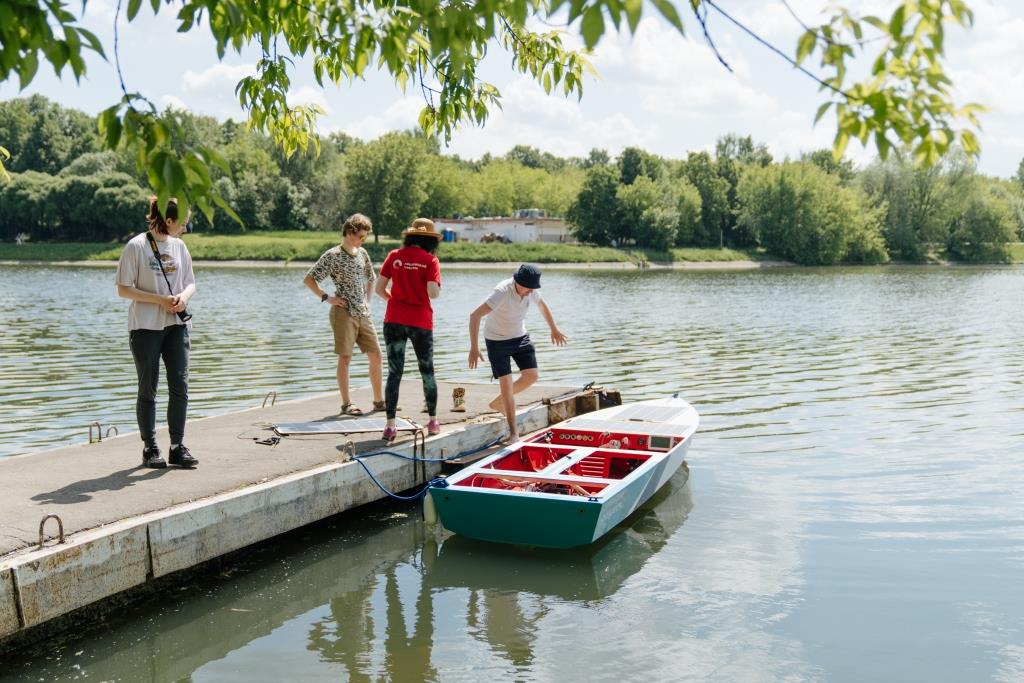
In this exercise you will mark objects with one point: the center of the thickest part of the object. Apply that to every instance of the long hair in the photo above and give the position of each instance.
(158, 221)
(428, 244)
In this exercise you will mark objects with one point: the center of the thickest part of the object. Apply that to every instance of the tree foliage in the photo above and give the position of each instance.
(804, 215)
(905, 99)
(595, 213)
(387, 176)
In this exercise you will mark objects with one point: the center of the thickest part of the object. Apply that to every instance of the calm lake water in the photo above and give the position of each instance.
(854, 513)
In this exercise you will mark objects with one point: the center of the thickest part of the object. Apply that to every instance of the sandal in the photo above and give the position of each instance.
(351, 410)
(379, 407)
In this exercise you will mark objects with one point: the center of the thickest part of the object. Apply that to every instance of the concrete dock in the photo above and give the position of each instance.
(125, 525)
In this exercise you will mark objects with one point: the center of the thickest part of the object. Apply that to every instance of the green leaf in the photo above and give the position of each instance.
(805, 45)
(27, 69)
(897, 21)
(592, 26)
(668, 10)
(634, 8)
(821, 111)
(133, 8)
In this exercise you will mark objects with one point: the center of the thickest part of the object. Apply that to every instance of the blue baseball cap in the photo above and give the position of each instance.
(527, 276)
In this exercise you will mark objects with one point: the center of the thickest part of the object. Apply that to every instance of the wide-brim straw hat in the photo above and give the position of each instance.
(423, 227)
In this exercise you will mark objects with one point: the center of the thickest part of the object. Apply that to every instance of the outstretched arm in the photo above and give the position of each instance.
(557, 338)
(474, 333)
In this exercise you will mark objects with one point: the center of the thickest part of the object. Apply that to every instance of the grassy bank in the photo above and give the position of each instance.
(307, 246)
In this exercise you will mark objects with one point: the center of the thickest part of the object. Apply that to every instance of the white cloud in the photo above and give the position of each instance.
(172, 102)
(400, 115)
(216, 79)
(309, 95)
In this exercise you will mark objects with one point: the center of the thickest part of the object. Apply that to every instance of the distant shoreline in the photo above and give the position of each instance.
(457, 265)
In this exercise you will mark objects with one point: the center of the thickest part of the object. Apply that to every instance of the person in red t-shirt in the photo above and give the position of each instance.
(414, 274)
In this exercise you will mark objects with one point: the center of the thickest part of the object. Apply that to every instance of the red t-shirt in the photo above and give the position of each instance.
(410, 269)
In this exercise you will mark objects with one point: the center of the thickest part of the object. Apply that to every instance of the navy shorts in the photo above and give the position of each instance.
(501, 353)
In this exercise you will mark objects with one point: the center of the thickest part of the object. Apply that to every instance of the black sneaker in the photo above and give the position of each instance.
(181, 457)
(151, 458)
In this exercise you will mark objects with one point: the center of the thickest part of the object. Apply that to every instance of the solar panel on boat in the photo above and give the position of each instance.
(347, 426)
(646, 413)
(628, 426)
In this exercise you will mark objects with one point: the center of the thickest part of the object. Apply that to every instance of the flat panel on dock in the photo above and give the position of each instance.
(350, 425)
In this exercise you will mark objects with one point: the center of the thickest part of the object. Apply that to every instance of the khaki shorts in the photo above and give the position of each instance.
(350, 331)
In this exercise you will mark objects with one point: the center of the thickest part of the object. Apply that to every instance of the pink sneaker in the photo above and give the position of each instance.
(433, 427)
(390, 433)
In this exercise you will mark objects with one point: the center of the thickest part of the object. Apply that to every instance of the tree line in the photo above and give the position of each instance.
(811, 210)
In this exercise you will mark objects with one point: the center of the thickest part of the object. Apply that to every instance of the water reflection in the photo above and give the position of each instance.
(584, 574)
(376, 598)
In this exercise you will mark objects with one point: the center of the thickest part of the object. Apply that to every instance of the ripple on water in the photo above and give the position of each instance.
(855, 514)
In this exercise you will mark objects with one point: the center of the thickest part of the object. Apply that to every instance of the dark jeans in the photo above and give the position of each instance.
(148, 346)
(395, 336)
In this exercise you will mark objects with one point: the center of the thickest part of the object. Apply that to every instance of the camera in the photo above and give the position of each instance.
(185, 316)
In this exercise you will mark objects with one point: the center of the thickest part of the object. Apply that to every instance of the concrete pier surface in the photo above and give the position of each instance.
(125, 525)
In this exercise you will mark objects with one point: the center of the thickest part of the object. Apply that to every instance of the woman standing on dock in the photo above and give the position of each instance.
(415, 277)
(155, 272)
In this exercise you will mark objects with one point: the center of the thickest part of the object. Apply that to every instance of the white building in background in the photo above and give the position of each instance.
(527, 225)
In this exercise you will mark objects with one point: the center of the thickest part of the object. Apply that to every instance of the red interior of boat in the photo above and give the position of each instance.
(605, 464)
(558, 436)
(529, 458)
(511, 483)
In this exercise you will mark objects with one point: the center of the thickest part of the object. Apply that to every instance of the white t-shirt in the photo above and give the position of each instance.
(507, 319)
(138, 268)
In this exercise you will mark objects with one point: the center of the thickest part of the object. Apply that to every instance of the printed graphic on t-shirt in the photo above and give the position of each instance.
(170, 265)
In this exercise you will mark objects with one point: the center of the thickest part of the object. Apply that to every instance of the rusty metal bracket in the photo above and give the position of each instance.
(99, 432)
(350, 449)
(420, 437)
(60, 528)
(271, 396)
(111, 427)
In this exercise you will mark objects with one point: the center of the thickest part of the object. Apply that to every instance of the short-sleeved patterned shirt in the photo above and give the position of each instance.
(351, 276)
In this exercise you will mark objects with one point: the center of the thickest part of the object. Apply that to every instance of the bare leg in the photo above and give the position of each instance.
(525, 381)
(508, 406)
(343, 363)
(506, 402)
(376, 375)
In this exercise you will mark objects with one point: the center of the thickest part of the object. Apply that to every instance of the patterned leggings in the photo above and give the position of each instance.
(395, 336)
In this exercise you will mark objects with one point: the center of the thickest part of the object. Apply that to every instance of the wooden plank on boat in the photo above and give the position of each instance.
(457, 464)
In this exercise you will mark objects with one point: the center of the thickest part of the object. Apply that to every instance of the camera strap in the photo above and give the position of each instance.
(156, 254)
(185, 316)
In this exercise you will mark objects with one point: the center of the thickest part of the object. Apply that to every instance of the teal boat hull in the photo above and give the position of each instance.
(548, 521)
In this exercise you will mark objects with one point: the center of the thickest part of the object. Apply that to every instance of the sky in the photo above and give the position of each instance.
(656, 90)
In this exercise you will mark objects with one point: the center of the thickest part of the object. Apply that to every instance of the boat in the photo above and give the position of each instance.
(568, 484)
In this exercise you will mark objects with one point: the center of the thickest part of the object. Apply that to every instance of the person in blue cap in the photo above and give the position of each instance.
(506, 338)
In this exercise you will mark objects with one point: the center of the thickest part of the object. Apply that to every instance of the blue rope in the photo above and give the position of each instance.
(439, 482)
